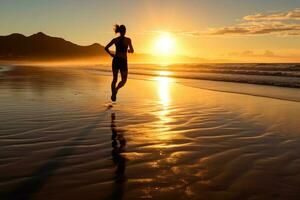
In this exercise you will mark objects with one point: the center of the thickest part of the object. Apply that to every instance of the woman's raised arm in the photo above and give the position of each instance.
(130, 50)
(109, 45)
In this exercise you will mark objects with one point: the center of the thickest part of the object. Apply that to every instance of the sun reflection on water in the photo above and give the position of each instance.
(164, 98)
(163, 84)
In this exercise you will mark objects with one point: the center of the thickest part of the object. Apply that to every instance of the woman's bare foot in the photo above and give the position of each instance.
(113, 96)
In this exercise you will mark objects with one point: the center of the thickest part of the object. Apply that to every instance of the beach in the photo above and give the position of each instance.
(62, 138)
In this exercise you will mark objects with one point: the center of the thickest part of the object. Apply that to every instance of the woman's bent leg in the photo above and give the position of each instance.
(113, 84)
(123, 80)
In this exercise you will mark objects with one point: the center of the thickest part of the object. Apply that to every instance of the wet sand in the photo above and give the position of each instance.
(61, 138)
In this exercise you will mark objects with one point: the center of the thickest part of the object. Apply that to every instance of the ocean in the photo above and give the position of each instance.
(253, 78)
(279, 81)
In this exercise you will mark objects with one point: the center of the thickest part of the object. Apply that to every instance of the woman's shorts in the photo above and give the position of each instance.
(119, 64)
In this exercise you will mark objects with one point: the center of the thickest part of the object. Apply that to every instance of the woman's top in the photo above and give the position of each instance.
(121, 45)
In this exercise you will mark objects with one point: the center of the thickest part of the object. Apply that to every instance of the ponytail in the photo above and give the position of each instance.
(117, 28)
(120, 29)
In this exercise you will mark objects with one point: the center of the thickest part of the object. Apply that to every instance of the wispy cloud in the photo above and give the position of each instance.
(258, 28)
(250, 53)
(267, 55)
(177, 32)
(290, 15)
(281, 23)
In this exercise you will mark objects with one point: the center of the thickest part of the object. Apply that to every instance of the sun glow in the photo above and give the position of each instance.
(164, 45)
(164, 73)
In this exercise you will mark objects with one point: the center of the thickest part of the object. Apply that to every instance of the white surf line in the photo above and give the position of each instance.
(105, 73)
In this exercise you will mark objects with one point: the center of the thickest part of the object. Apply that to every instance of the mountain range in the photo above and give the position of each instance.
(41, 46)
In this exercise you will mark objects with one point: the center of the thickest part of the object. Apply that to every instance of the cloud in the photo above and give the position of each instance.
(247, 29)
(281, 23)
(258, 28)
(177, 32)
(265, 54)
(270, 54)
(290, 15)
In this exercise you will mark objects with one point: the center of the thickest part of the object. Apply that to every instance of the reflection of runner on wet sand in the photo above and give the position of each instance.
(118, 145)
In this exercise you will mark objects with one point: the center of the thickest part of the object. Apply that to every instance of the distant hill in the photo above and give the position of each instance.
(41, 46)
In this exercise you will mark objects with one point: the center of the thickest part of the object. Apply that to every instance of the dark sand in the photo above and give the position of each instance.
(61, 138)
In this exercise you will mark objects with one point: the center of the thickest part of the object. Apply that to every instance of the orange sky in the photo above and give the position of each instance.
(232, 30)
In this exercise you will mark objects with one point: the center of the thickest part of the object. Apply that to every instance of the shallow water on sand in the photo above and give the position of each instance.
(60, 138)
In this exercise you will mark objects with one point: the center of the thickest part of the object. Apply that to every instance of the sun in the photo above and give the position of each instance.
(164, 44)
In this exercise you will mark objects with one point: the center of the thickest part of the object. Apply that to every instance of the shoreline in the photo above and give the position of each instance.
(227, 86)
(252, 89)
(285, 80)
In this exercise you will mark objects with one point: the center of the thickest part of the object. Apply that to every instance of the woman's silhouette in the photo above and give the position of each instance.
(123, 45)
